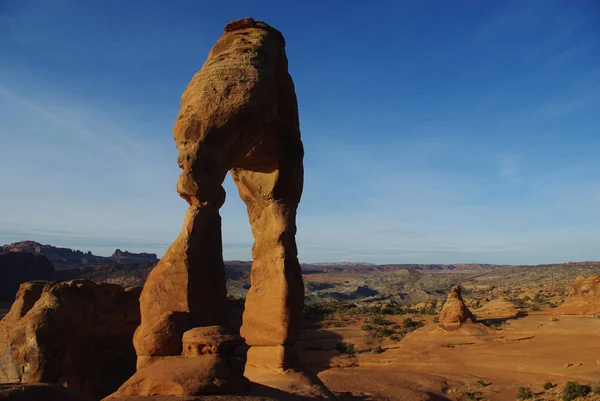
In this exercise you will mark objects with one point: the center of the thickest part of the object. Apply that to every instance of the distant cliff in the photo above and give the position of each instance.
(67, 259)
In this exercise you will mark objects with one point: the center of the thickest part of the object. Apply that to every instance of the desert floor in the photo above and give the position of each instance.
(431, 364)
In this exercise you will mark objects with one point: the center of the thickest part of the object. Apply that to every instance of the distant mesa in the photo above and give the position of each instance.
(29, 260)
(124, 255)
(66, 258)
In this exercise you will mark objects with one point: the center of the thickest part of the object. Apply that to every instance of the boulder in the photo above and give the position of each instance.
(76, 334)
(184, 377)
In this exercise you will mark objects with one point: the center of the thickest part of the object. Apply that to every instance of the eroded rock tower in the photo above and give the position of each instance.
(239, 114)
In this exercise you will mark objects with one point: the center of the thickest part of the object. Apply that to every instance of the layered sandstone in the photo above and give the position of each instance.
(498, 308)
(583, 298)
(76, 334)
(455, 313)
(239, 114)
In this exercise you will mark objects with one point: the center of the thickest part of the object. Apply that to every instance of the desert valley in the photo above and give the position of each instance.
(375, 332)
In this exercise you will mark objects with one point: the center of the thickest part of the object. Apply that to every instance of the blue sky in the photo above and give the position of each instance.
(434, 131)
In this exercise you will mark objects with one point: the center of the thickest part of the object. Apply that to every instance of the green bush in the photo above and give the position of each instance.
(548, 386)
(378, 319)
(524, 393)
(345, 348)
(408, 322)
(572, 390)
(349, 349)
(384, 331)
(377, 350)
(535, 308)
(367, 327)
(436, 319)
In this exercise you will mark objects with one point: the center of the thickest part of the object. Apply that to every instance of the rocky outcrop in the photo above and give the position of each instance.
(239, 114)
(76, 334)
(499, 308)
(455, 313)
(583, 298)
(18, 267)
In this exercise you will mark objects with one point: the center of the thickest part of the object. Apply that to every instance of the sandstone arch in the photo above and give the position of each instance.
(238, 114)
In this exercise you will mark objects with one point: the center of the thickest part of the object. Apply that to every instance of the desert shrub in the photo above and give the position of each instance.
(386, 310)
(350, 349)
(536, 308)
(384, 331)
(596, 388)
(572, 390)
(408, 322)
(377, 350)
(548, 386)
(481, 383)
(367, 327)
(518, 302)
(345, 348)
(378, 319)
(524, 393)
(436, 319)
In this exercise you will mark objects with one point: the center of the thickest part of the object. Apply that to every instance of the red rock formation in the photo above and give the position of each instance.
(239, 114)
(583, 298)
(76, 334)
(455, 313)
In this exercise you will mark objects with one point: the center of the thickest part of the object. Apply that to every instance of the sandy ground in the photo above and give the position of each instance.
(431, 364)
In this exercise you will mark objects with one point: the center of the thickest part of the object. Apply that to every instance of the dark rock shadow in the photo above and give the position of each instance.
(315, 346)
(502, 320)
